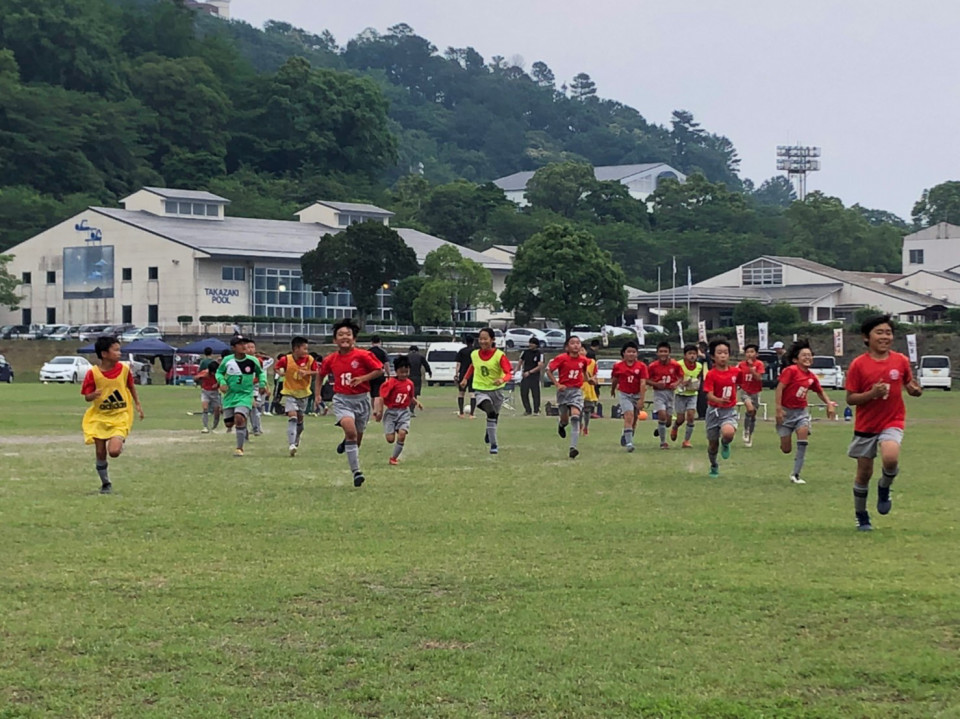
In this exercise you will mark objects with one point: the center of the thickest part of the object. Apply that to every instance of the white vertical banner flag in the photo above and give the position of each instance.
(838, 342)
(680, 330)
(763, 328)
(741, 337)
(912, 348)
(702, 331)
(641, 335)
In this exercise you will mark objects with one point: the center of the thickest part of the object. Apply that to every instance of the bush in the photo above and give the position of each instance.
(750, 312)
(783, 317)
(863, 314)
(184, 319)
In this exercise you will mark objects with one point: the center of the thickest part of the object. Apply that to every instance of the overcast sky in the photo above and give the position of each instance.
(872, 82)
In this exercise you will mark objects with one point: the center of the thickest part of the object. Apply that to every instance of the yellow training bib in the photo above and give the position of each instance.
(110, 414)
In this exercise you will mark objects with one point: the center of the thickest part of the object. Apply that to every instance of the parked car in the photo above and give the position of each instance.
(16, 332)
(828, 371)
(88, 333)
(6, 370)
(771, 367)
(442, 357)
(604, 371)
(142, 333)
(553, 340)
(64, 369)
(520, 337)
(57, 333)
(118, 330)
(935, 372)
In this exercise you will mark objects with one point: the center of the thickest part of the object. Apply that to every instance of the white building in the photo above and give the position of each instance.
(641, 180)
(819, 292)
(934, 248)
(940, 286)
(172, 253)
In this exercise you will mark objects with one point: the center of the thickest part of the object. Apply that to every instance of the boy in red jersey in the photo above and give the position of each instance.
(397, 396)
(751, 384)
(875, 382)
(720, 385)
(352, 370)
(209, 390)
(568, 371)
(665, 375)
(629, 376)
(793, 386)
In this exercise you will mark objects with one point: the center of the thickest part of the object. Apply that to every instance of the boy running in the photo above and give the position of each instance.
(112, 394)
(297, 370)
(236, 376)
(463, 362)
(875, 382)
(352, 369)
(720, 386)
(685, 399)
(490, 370)
(590, 398)
(396, 394)
(665, 375)
(209, 391)
(751, 384)
(260, 387)
(795, 382)
(629, 376)
(568, 371)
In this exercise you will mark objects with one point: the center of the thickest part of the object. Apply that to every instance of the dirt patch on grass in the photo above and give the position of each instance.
(449, 645)
(154, 437)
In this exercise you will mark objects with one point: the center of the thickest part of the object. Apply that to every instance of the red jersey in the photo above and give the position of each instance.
(723, 384)
(344, 367)
(397, 394)
(879, 414)
(796, 384)
(628, 376)
(671, 372)
(570, 370)
(209, 381)
(90, 384)
(747, 383)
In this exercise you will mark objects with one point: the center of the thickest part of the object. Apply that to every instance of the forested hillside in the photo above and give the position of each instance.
(100, 97)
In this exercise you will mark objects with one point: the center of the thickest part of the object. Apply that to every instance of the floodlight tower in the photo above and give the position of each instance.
(798, 160)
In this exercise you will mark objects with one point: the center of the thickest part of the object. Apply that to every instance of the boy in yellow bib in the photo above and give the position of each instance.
(110, 390)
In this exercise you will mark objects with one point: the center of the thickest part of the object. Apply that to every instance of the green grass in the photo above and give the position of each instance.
(462, 585)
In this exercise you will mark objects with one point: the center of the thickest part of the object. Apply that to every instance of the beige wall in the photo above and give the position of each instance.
(938, 287)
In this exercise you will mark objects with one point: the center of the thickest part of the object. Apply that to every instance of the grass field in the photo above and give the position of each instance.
(464, 585)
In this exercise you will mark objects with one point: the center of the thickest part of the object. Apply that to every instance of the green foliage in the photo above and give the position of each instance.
(783, 317)
(750, 312)
(953, 315)
(562, 273)
(361, 259)
(403, 297)
(559, 187)
(670, 319)
(459, 211)
(862, 314)
(776, 192)
(453, 284)
(8, 285)
(26, 212)
(940, 203)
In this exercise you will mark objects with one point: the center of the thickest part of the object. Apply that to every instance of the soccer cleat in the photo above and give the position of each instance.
(293, 450)
(748, 442)
(238, 452)
(686, 445)
(863, 522)
(358, 479)
(494, 449)
(725, 450)
(106, 488)
(630, 447)
(257, 433)
(342, 447)
(664, 445)
(486, 438)
(656, 433)
(884, 502)
(585, 431)
(795, 478)
(562, 431)
(574, 452)
(394, 461)
(623, 440)
(204, 431)
(673, 433)
(714, 471)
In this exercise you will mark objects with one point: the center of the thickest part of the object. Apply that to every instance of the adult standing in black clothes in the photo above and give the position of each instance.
(463, 362)
(418, 365)
(376, 384)
(531, 365)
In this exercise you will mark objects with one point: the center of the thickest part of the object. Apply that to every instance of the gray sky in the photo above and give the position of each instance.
(872, 82)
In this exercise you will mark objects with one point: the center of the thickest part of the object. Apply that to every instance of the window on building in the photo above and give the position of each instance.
(170, 207)
(916, 257)
(153, 273)
(51, 315)
(193, 209)
(761, 272)
(26, 316)
(199, 208)
(213, 211)
(25, 278)
(52, 277)
(823, 314)
(236, 274)
(126, 274)
(185, 207)
(126, 312)
(153, 314)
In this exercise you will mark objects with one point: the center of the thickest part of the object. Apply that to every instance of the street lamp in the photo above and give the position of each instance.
(797, 161)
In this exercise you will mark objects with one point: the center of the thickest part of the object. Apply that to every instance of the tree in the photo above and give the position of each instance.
(776, 192)
(562, 274)
(403, 297)
(453, 284)
(8, 285)
(583, 88)
(459, 210)
(750, 312)
(783, 317)
(862, 314)
(542, 74)
(940, 203)
(559, 187)
(360, 259)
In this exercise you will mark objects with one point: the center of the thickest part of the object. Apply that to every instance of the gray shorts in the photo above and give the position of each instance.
(754, 398)
(866, 447)
(494, 396)
(570, 397)
(717, 417)
(352, 406)
(396, 419)
(793, 419)
(212, 397)
(629, 402)
(295, 404)
(683, 403)
(663, 400)
(229, 412)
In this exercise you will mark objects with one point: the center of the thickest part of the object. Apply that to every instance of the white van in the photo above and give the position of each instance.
(935, 372)
(442, 357)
